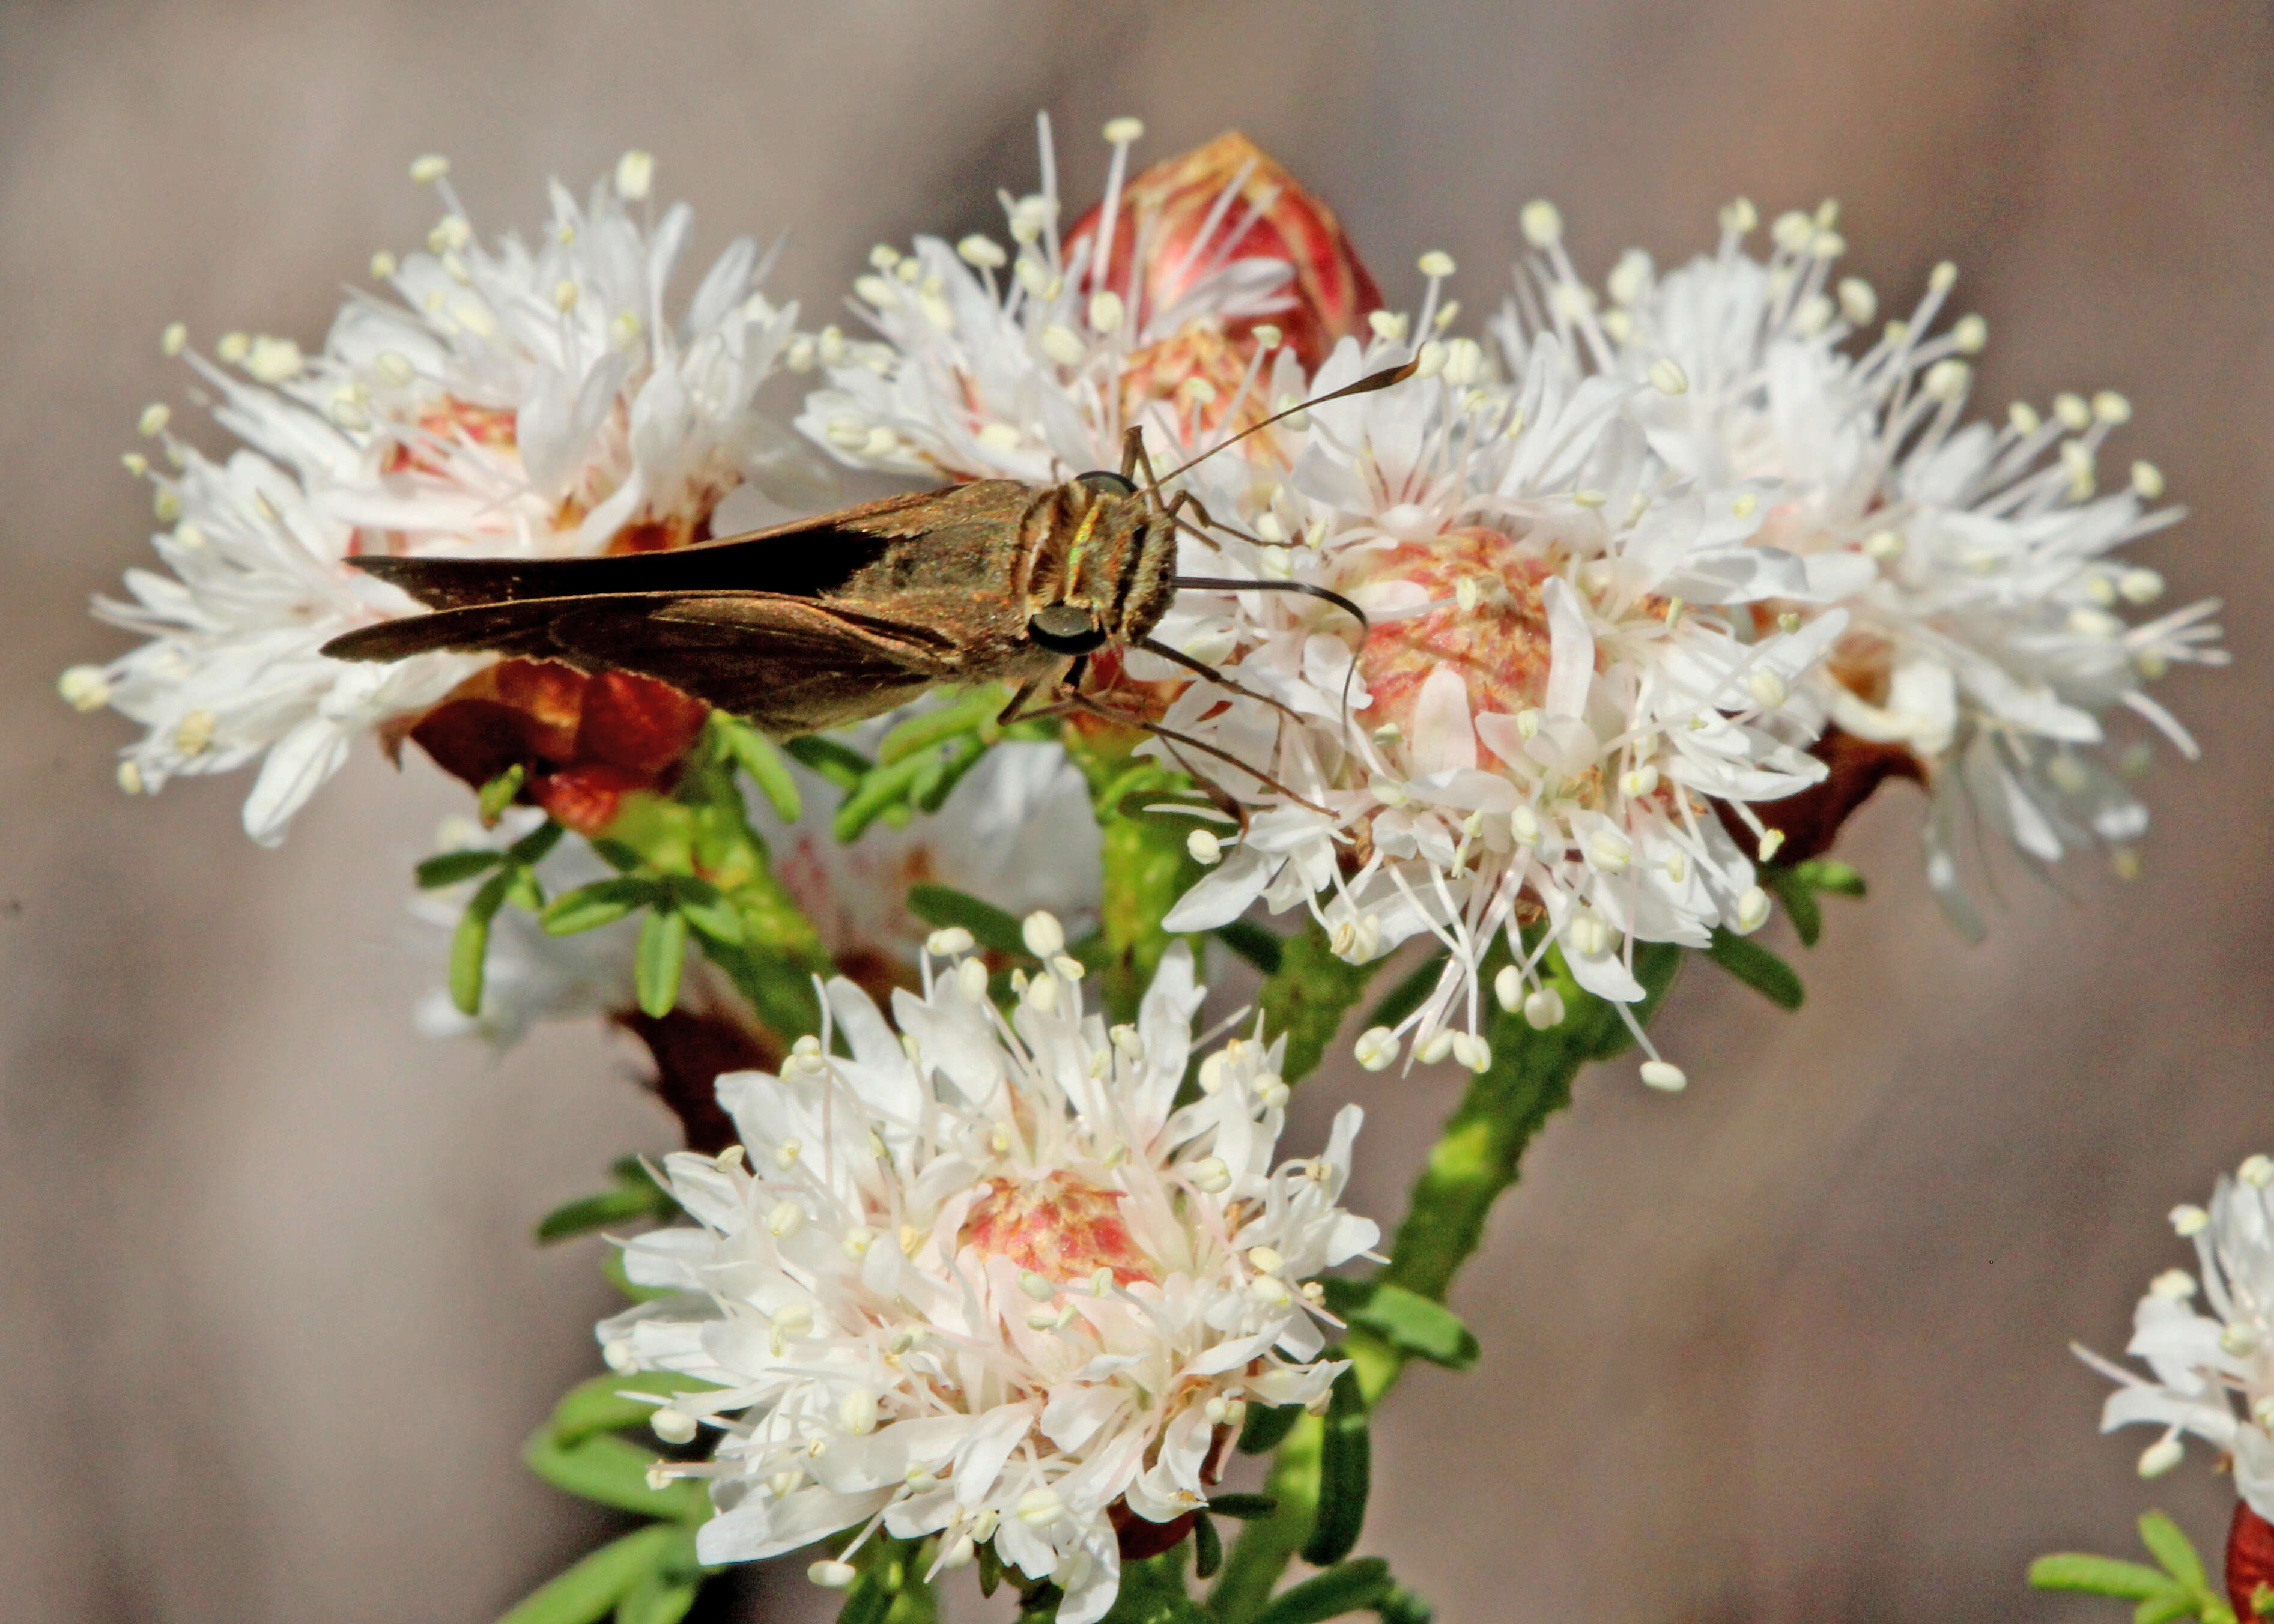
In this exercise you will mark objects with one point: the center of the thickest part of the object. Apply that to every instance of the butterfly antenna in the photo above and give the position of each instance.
(1083, 701)
(1364, 386)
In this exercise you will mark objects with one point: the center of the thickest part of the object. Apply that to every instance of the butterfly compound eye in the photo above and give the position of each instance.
(1105, 484)
(1066, 628)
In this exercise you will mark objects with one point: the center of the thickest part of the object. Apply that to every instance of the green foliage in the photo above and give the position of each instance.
(1796, 885)
(1306, 995)
(1346, 1475)
(636, 1198)
(1252, 942)
(611, 1575)
(748, 749)
(1758, 967)
(891, 1587)
(1415, 1325)
(512, 879)
(1348, 1587)
(1267, 1424)
(989, 926)
(496, 796)
(1145, 863)
(2177, 1588)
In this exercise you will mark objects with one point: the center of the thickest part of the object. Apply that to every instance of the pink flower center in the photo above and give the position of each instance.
(1060, 1226)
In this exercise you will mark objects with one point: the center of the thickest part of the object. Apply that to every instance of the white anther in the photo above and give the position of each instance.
(1039, 1507)
(1857, 302)
(1044, 937)
(1210, 1175)
(832, 1576)
(1435, 1046)
(1752, 908)
(1667, 376)
(2187, 1219)
(83, 687)
(2140, 585)
(429, 168)
(1767, 688)
(194, 734)
(1106, 312)
(949, 942)
(2257, 1170)
(1043, 995)
(1590, 498)
(1436, 262)
(2239, 1340)
(1664, 1076)
(1508, 987)
(1430, 359)
(2174, 1285)
(2074, 412)
(1948, 379)
(1589, 935)
(635, 175)
(1271, 1091)
(2160, 1456)
(1542, 223)
(1740, 216)
(1611, 850)
(1472, 1051)
(1543, 1008)
(1524, 826)
(1062, 345)
(2111, 408)
(2147, 481)
(130, 777)
(1376, 1049)
(1884, 544)
(1641, 781)
(982, 251)
(1387, 325)
(786, 1219)
(1772, 843)
(1121, 132)
(673, 1425)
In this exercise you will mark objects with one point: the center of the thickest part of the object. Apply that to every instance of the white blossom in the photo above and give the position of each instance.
(512, 400)
(981, 1279)
(2211, 1368)
(1979, 565)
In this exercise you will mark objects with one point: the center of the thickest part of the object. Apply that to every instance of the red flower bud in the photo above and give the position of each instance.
(1165, 209)
(2249, 1560)
(585, 742)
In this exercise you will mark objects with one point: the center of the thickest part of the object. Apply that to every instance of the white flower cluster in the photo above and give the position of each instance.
(1976, 564)
(2213, 1372)
(1622, 569)
(517, 401)
(981, 1279)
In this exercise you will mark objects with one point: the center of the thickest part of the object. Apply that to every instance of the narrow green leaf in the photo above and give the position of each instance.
(708, 910)
(595, 1406)
(1348, 1587)
(879, 792)
(602, 902)
(469, 945)
(1252, 942)
(1403, 999)
(962, 755)
(605, 1469)
(1825, 874)
(589, 1590)
(974, 711)
(1414, 1324)
(1266, 1425)
(660, 1598)
(1403, 1606)
(1345, 1473)
(538, 844)
(1758, 967)
(1207, 1547)
(2099, 1576)
(839, 764)
(1799, 899)
(989, 926)
(1242, 1508)
(589, 1213)
(619, 855)
(498, 793)
(2166, 1609)
(660, 957)
(455, 867)
(2173, 1550)
(755, 754)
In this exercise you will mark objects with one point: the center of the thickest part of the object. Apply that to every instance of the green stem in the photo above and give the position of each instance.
(1145, 867)
(1476, 1158)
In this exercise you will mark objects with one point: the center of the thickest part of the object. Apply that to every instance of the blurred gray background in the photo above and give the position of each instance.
(1787, 1347)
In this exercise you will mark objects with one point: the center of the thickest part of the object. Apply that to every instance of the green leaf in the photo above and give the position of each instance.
(1758, 967)
(1407, 997)
(975, 711)
(2099, 1576)
(1207, 1547)
(1799, 899)
(660, 1598)
(841, 765)
(881, 791)
(1348, 1587)
(594, 1406)
(2173, 1550)
(589, 1590)
(605, 1469)
(1345, 1473)
(659, 960)
(498, 793)
(589, 1213)
(538, 844)
(2164, 1609)
(1825, 874)
(707, 909)
(469, 945)
(1266, 1425)
(1403, 1606)
(612, 1270)
(962, 755)
(1414, 1324)
(755, 754)
(989, 926)
(1243, 1508)
(455, 867)
(602, 902)
(1255, 944)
